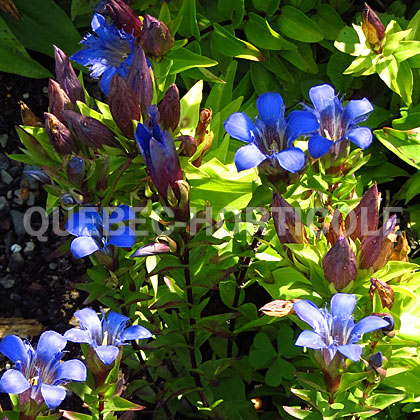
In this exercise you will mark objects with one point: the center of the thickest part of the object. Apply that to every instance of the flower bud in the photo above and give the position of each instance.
(140, 80)
(400, 253)
(60, 136)
(202, 134)
(89, 130)
(152, 249)
(289, 226)
(28, 117)
(188, 145)
(76, 170)
(363, 220)
(376, 361)
(385, 292)
(67, 78)
(279, 308)
(376, 249)
(389, 329)
(123, 17)
(59, 101)
(123, 106)
(336, 227)
(155, 37)
(340, 264)
(170, 109)
(373, 29)
(38, 175)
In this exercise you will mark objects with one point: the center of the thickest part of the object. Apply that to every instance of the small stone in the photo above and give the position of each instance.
(9, 194)
(30, 247)
(4, 206)
(3, 140)
(52, 266)
(30, 201)
(7, 282)
(15, 297)
(16, 263)
(4, 162)
(15, 248)
(18, 224)
(18, 201)
(25, 95)
(45, 90)
(5, 177)
(15, 171)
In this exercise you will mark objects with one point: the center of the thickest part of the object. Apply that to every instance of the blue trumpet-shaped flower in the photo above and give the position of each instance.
(108, 53)
(93, 230)
(38, 373)
(337, 123)
(106, 335)
(271, 136)
(335, 331)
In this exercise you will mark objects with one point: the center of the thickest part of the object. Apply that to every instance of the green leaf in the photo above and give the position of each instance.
(405, 144)
(407, 49)
(329, 21)
(227, 290)
(73, 415)
(348, 42)
(188, 25)
(268, 7)
(120, 404)
(414, 25)
(262, 351)
(259, 32)
(393, 41)
(79, 7)
(296, 25)
(227, 44)
(44, 24)
(184, 59)
(190, 107)
(233, 10)
(303, 58)
(15, 59)
(349, 379)
(262, 79)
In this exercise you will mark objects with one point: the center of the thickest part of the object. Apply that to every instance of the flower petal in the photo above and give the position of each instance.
(50, 344)
(83, 221)
(319, 146)
(365, 325)
(249, 156)
(361, 137)
(14, 348)
(121, 214)
(357, 111)
(83, 246)
(14, 382)
(71, 370)
(271, 107)
(135, 332)
(123, 237)
(89, 320)
(114, 324)
(310, 340)
(292, 159)
(351, 351)
(300, 123)
(308, 312)
(342, 305)
(76, 335)
(53, 395)
(322, 96)
(107, 354)
(106, 78)
(240, 126)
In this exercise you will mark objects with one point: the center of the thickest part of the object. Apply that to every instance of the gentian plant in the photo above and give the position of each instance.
(39, 374)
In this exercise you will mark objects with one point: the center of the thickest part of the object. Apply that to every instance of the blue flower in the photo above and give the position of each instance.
(93, 230)
(39, 372)
(335, 331)
(271, 136)
(106, 335)
(108, 53)
(336, 123)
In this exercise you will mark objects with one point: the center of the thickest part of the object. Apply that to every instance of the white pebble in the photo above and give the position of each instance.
(15, 248)
(25, 95)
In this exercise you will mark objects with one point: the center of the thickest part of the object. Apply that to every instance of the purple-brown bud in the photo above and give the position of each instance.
(155, 37)
(336, 227)
(188, 145)
(123, 17)
(28, 117)
(90, 131)
(373, 29)
(170, 109)
(340, 264)
(363, 220)
(376, 249)
(76, 170)
(400, 253)
(59, 101)
(140, 80)
(155, 248)
(67, 78)
(289, 226)
(123, 106)
(385, 292)
(60, 136)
